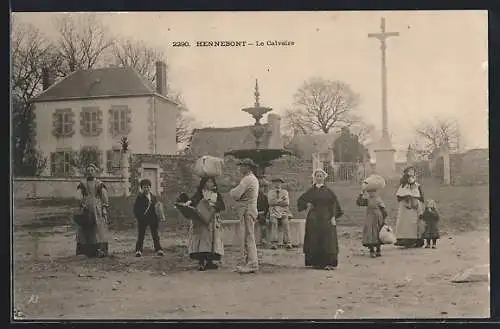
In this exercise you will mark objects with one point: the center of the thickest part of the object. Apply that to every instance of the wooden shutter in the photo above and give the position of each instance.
(109, 161)
(53, 164)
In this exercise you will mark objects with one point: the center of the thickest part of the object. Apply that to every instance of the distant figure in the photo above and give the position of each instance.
(321, 245)
(279, 212)
(92, 239)
(410, 203)
(205, 240)
(263, 215)
(145, 214)
(374, 220)
(246, 194)
(431, 219)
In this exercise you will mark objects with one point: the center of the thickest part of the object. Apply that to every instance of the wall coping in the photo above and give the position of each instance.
(65, 179)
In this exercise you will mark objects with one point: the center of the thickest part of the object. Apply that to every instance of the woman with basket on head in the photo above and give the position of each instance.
(375, 213)
(204, 209)
(92, 217)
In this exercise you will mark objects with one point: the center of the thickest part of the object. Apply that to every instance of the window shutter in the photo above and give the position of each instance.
(83, 131)
(99, 122)
(109, 160)
(111, 122)
(55, 123)
(99, 159)
(129, 120)
(53, 164)
(71, 117)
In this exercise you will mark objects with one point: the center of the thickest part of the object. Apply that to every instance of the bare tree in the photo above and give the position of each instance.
(137, 54)
(294, 125)
(432, 135)
(31, 51)
(184, 122)
(82, 43)
(321, 105)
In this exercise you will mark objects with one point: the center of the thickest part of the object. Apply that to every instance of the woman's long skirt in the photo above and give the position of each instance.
(409, 228)
(205, 241)
(92, 242)
(321, 246)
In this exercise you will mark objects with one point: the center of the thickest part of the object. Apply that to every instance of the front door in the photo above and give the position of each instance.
(152, 175)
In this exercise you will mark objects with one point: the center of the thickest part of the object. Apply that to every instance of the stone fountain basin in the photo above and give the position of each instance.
(259, 156)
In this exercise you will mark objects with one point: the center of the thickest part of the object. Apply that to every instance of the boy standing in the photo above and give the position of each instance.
(145, 213)
(279, 212)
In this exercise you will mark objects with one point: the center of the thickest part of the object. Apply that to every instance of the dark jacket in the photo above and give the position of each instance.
(262, 206)
(144, 210)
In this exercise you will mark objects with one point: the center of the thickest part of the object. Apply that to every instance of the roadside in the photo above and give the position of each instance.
(413, 283)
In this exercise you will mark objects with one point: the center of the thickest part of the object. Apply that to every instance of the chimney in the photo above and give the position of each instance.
(161, 78)
(47, 78)
(276, 140)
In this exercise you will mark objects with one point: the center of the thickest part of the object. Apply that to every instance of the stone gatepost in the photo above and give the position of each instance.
(126, 173)
(125, 165)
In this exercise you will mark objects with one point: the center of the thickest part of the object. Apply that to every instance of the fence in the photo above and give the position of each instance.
(345, 171)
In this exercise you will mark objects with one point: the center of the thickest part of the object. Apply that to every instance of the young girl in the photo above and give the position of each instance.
(431, 219)
(374, 220)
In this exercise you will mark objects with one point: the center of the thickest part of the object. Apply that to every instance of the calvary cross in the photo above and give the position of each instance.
(382, 37)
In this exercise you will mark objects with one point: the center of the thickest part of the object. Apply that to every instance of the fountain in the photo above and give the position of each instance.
(261, 156)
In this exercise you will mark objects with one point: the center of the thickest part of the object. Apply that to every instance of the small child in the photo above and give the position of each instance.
(374, 220)
(145, 213)
(431, 219)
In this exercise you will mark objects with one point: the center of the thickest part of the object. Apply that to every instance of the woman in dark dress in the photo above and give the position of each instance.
(205, 241)
(321, 246)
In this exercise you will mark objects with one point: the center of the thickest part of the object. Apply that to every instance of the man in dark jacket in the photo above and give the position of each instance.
(145, 213)
(263, 214)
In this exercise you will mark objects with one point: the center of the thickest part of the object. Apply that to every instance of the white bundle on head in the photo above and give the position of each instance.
(208, 166)
(373, 182)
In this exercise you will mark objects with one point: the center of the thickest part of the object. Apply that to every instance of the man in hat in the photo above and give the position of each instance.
(279, 211)
(263, 216)
(246, 194)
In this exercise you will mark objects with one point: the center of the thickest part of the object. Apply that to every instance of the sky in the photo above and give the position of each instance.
(435, 68)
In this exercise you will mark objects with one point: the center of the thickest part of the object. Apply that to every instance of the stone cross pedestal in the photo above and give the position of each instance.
(384, 157)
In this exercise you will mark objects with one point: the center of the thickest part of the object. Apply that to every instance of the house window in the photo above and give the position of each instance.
(114, 157)
(91, 121)
(62, 163)
(119, 120)
(63, 123)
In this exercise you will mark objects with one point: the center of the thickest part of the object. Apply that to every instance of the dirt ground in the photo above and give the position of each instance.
(51, 283)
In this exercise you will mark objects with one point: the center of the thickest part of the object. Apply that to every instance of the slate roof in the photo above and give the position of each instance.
(110, 81)
(217, 141)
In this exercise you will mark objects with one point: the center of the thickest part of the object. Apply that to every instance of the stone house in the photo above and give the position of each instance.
(94, 109)
(217, 141)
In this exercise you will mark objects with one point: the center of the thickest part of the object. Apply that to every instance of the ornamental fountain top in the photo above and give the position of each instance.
(261, 156)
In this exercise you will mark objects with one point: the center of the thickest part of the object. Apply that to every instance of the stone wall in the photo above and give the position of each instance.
(177, 176)
(57, 187)
(470, 168)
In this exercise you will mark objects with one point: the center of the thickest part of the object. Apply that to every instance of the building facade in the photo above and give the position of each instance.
(91, 111)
